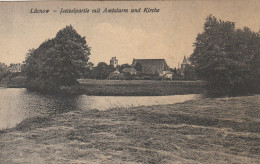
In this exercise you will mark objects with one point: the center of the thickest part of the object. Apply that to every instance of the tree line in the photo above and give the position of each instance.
(227, 58)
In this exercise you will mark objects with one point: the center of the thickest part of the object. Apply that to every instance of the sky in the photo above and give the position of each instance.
(168, 34)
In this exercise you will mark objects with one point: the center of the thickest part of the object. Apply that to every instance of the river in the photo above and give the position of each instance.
(17, 104)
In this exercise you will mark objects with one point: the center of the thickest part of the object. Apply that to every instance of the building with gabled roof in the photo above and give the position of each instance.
(151, 66)
(131, 71)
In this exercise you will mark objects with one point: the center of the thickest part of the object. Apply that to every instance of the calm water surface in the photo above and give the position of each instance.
(17, 104)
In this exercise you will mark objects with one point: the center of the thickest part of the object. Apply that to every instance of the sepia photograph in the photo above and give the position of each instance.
(127, 82)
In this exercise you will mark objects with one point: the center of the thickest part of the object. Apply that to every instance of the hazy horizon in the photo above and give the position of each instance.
(168, 34)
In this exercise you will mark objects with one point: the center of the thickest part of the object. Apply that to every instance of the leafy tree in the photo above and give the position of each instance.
(223, 56)
(58, 61)
(123, 66)
(3, 70)
(103, 70)
(256, 80)
(90, 65)
(174, 70)
(189, 73)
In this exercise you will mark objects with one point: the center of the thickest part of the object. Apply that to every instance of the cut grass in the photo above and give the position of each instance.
(213, 130)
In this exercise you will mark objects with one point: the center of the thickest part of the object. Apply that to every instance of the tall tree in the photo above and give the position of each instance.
(223, 55)
(103, 70)
(58, 61)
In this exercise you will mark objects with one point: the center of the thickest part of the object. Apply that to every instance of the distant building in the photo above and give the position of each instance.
(14, 68)
(114, 62)
(3, 66)
(114, 75)
(166, 75)
(184, 65)
(151, 66)
(130, 71)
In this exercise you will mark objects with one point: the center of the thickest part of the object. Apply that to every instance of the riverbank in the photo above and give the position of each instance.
(212, 130)
(117, 87)
(13, 81)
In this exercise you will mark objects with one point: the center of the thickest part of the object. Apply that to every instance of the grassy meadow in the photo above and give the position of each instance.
(120, 87)
(139, 87)
(210, 130)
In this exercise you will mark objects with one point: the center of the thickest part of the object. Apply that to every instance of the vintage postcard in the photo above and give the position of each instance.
(130, 82)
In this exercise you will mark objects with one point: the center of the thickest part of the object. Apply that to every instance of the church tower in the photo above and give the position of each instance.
(114, 62)
(184, 64)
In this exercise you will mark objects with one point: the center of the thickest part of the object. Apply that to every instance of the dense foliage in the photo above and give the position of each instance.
(123, 66)
(58, 61)
(103, 70)
(226, 57)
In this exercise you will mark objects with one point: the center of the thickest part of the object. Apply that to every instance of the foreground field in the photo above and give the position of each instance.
(213, 130)
(139, 87)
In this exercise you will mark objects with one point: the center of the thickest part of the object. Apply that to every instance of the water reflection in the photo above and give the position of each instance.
(107, 102)
(16, 104)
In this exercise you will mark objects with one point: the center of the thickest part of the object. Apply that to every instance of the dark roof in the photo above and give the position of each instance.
(185, 61)
(155, 61)
(151, 66)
